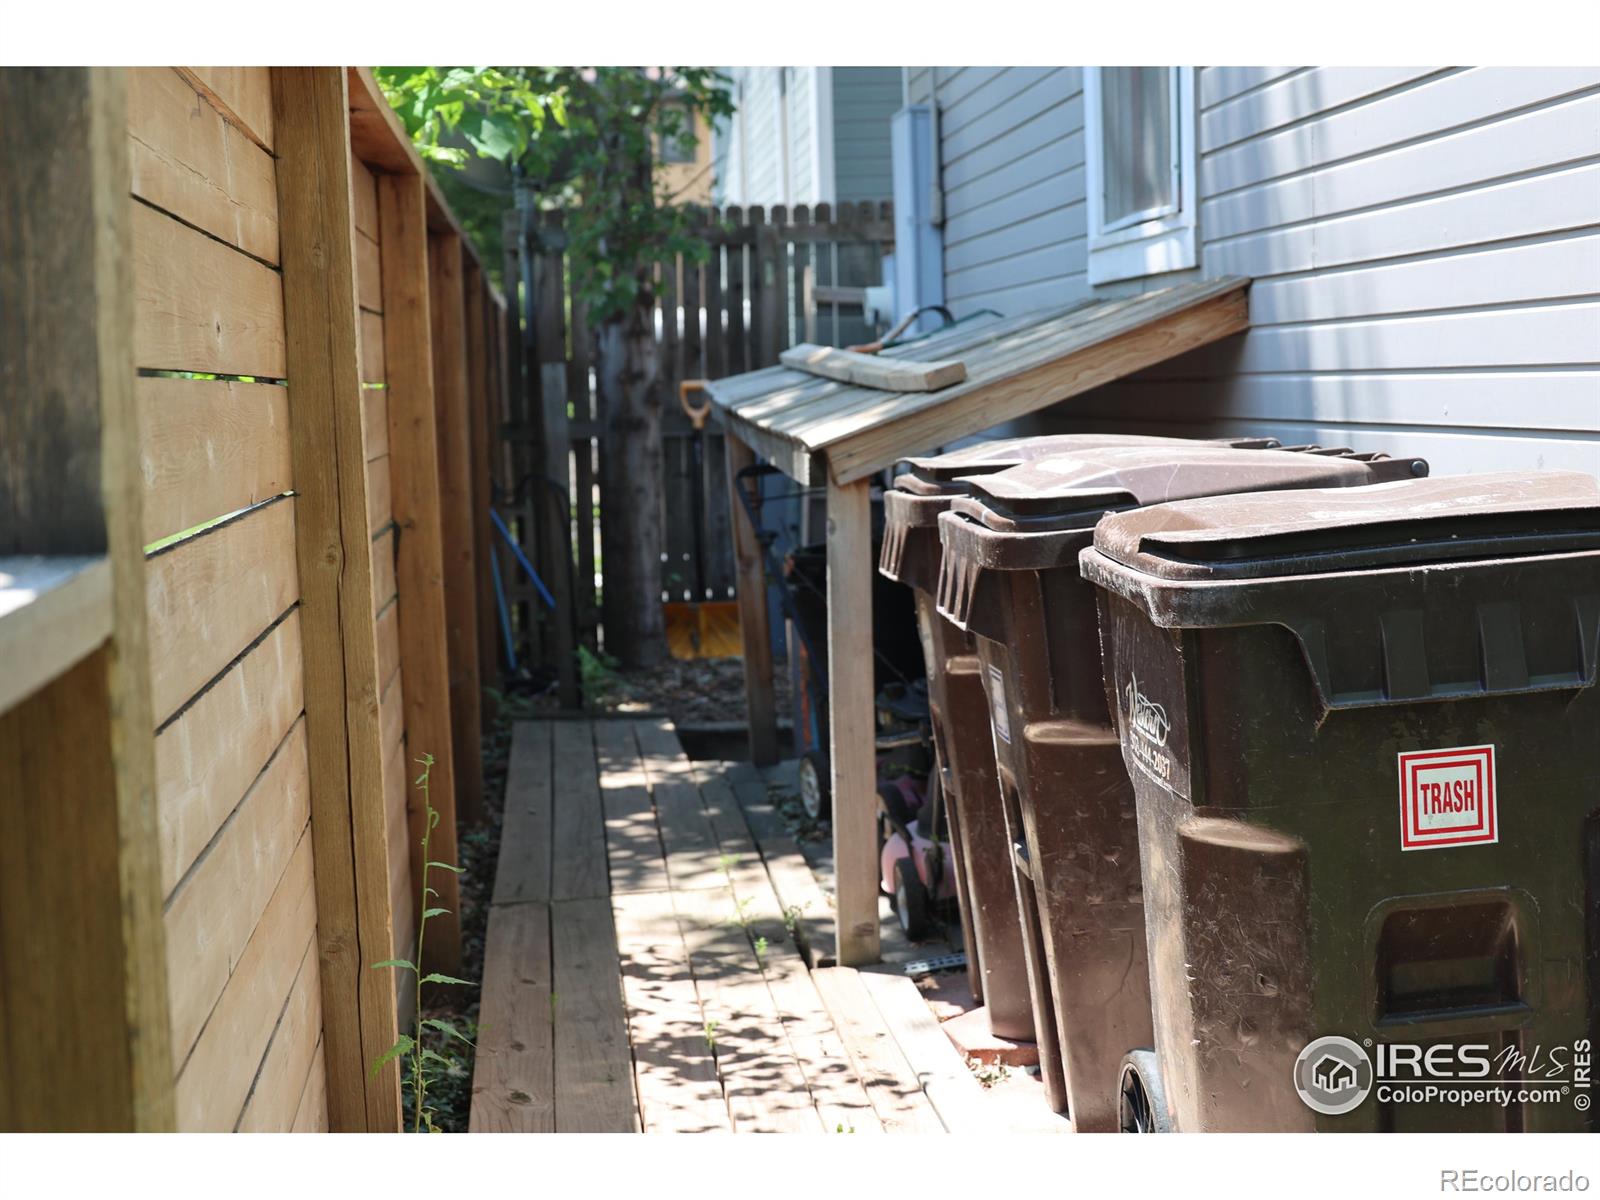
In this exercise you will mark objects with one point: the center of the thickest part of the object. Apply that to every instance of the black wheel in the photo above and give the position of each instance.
(910, 900)
(1142, 1100)
(815, 795)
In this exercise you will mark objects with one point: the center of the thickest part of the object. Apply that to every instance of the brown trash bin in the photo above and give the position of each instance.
(1010, 577)
(1323, 699)
(998, 941)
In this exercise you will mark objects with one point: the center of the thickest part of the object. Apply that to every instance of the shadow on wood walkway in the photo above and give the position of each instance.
(652, 963)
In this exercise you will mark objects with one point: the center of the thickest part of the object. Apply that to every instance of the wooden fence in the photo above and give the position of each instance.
(769, 280)
(249, 403)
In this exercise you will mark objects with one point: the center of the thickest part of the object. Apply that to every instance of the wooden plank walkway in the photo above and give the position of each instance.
(653, 963)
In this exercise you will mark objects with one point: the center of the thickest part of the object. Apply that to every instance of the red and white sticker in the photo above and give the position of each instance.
(1447, 798)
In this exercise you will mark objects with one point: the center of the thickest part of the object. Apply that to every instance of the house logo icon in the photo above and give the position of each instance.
(1333, 1075)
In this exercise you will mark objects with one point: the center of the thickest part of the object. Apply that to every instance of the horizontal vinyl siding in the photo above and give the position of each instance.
(1426, 250)
(1011, 151)
(865, 100)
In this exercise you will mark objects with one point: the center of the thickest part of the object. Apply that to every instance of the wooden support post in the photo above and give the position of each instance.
(850, 718)
(552, 484)
(479, 375)
(84, 1027)
(419, 550)
(760, 702)
(332, 536)
(447, 312)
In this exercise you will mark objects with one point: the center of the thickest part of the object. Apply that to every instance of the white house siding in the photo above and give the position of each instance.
(1011, 164)
(1425, 244)
(865, 100)
(746, 148)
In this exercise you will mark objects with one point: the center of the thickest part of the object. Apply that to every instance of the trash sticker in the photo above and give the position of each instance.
(1147, 726)
(1447, 798)
(997, 693)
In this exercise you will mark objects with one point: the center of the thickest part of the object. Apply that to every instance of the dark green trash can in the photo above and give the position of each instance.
(1364, 735)
(1010, 578)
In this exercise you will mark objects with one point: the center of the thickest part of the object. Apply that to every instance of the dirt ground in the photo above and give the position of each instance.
(705, 691)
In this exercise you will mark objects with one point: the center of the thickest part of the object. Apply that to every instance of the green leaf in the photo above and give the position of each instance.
(445, 1027)
(435, 1057)
(437, 978)
(404, 1045)
(394, 962)
(449, 867)
(433, 912)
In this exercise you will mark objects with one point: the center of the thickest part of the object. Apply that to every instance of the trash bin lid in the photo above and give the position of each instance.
(1074, 491)
(1415, 521)
(938, 475)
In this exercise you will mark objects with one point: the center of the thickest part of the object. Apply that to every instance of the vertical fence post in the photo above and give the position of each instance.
(480, 375)
(344, 747)
(83, 983)
(552, 484)
(754, 633)
(447, 316)
(584, 444)
(419, 549)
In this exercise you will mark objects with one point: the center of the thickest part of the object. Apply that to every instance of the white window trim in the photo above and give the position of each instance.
(1145, 243)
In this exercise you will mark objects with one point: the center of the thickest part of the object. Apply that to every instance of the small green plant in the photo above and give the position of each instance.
(791, 918)
(711, 1035)
(840, 1128)
(597, 671)
(761, 950)
(421, 1059)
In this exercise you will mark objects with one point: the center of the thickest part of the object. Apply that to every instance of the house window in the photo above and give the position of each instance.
(1141, 182)
(677, 138)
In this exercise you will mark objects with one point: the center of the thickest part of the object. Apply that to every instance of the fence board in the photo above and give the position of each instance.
(210, 917)
(380, 495)
(387, 633)
(208, 448)
(179, 327)
(383, 573)
(364, 198)
(215, 1081)
(208, 757)
(373, 368)
(375, 421)
(189, 161)
(244, 94)
(311, 1114)
(369, 278)
(211, 596)
(276, 1095)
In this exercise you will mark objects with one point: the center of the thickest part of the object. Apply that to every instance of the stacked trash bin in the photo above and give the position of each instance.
(1364, 735)
(1297, 759)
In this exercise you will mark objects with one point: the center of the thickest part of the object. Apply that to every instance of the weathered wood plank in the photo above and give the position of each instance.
(525, 867)
(214, 1080)
(447, 318)
(765, 1088)
(675, 1070)
(234, 326)
(208, 448)
(633, 840)
(949, 1085)
(243, 94)
(369, 274)
(311, 1115)
(694, 860)
(375, 421)
(374, 369)
(275, 1099)
(213, 911)
(310, 109)
(207, 758)
(383, 572)
(578, 839)
(593, 1071)
(513, 1077)
(891, 1083)
(364, 198)
(55, 611)
(413, 442)
(804, 904)
(211, 596)
(191, 162)
(380, 494)
(867, 370)
(387, 635)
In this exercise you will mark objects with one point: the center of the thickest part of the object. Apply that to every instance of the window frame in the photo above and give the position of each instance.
(1155, 241)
